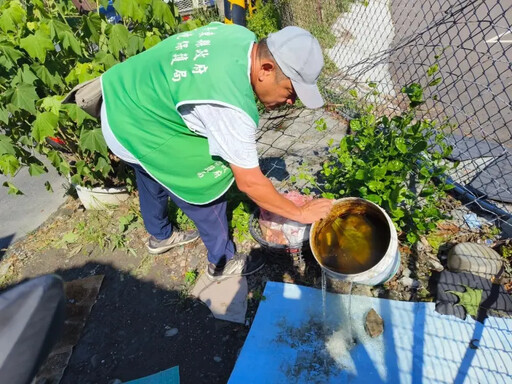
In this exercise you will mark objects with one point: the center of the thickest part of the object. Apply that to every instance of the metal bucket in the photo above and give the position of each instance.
(387, 259)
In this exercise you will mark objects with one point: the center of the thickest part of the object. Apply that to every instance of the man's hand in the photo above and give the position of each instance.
(315, 210)
(262, 192)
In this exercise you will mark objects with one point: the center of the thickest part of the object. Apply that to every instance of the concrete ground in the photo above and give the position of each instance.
(21, 214)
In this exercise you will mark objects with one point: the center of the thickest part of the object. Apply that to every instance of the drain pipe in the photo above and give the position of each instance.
(466, 196)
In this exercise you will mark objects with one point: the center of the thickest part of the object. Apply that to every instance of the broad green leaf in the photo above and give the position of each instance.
(44, 74)
(6, 145)
(129, 9)
(151, 41)
(398, 213)
(162, 12)
(4, 116)
(24, 75)
(76, 114)
(13, 190)
(44, 126)
(424, 171)
(23, 97)
(360, 174)
(64, 168)
(419, 146)
(107, 59)
(51, 104)
(376, 186)
(36, 169)
(374, 198)
(69, 41)
(83, 72)
(469, 299)
(118, 40)
(37, 45)
(57, 28)
(92, 26)
(412, 238)
(9, 164)
(395, 165)
(400, 144)
(12, 17)
(82, 168)
(54, 158)
(103, 166)
(92, 140)
(379, 172)
(9, 54)
(135, 45)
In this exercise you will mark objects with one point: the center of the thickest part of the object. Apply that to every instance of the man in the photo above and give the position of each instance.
(183, 114)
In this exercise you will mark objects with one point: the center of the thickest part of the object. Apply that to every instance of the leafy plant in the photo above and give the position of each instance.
(395, 162)
(191, 277)
(178, 217)
(47, 47)
(239, 223)
(239, 211)
(264, 20)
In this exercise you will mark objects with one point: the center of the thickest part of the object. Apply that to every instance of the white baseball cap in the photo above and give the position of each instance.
(299, 55)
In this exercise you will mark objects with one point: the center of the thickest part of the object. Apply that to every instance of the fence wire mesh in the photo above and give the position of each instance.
(393, 43)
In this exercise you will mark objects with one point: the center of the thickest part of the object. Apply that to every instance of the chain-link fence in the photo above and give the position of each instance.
(393, 43)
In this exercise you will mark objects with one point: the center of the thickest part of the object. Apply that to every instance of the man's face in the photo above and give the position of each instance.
(274, 93)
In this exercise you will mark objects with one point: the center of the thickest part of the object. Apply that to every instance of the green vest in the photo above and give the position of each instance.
(143, 95)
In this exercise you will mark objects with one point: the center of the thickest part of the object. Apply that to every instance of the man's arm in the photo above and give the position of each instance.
(259, 188)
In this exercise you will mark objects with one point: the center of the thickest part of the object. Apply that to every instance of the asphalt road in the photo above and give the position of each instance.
(474, 42)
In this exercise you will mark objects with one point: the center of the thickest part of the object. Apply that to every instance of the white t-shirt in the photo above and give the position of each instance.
(231, 134)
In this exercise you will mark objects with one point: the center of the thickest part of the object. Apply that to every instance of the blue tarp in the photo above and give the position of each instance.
(295, 339)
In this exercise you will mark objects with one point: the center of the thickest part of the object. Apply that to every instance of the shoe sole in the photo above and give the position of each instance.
(157, 251)
(224, 277)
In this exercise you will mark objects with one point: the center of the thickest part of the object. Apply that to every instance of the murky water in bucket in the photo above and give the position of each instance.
(352, 243)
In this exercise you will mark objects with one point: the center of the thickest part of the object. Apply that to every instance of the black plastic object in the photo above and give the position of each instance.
(495, 300)
(31, 319)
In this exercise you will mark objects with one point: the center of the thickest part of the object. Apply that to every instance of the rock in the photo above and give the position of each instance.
(4, 268)
(217, 359)
(474, 258)
(406, 272)
(171, 332)
(435, 265)
(409, 282)
(374, 325)
(362, 290)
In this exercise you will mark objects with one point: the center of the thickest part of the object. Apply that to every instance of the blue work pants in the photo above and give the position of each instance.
(210, 219)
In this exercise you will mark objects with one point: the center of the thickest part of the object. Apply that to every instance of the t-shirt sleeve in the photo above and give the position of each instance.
(231, 133)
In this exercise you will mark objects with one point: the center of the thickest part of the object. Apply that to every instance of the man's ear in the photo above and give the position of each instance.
(267, 68)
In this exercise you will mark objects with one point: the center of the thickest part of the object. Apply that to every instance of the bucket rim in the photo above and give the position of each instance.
(393, 240)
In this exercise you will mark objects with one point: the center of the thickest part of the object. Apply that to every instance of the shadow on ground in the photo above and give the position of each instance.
(125, 334)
